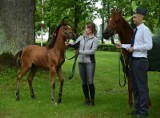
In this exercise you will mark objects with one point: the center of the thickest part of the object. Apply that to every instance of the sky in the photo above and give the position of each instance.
(98, 21)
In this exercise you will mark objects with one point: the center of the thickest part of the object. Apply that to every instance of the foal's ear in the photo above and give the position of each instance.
(113, 10)
(122, 11)
(64, 20)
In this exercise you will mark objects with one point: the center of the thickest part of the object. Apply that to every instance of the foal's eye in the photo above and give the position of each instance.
(116, 21)
(65, 28)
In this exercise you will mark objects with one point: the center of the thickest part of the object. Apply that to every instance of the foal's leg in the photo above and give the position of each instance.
(21, 73)
(52, 72)
(59, 72)
(30, 79)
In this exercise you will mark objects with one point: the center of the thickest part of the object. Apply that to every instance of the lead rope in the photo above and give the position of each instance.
(119, 65)
(124, 75)
(73, 67)
(74, 64)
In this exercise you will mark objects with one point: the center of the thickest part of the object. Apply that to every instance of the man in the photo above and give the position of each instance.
(140, 44)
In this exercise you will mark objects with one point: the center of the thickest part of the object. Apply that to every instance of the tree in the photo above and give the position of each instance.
(104, 14)
(77, 11)
(81, 11)
(16, 24)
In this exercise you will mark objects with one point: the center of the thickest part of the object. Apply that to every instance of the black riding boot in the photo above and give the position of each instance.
(92, 93)
(86, 94)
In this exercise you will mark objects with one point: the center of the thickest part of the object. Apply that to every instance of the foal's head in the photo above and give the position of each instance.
(67, 31)
(114, 24)
(64, 31)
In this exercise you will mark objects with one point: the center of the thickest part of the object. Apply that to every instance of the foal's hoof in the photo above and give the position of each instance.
(54, 102)
(32, 96)
(59, 100)
(17, 98)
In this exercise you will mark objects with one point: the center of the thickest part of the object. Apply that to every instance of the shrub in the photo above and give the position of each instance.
(7, 59)
(108, 47)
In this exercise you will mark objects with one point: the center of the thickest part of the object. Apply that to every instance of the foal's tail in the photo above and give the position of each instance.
(18, 58)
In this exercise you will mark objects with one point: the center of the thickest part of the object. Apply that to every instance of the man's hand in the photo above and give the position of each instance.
(130, 49)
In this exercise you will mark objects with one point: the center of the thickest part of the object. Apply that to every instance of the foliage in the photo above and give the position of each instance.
(108, 47)
(79, 12)
(7, 59)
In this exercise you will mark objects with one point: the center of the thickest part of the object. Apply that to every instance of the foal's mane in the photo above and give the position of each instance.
(55, 34)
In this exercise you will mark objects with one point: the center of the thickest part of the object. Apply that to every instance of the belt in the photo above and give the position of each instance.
(138, 58)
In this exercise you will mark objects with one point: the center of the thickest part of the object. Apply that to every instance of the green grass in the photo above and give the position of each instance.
(110, 100)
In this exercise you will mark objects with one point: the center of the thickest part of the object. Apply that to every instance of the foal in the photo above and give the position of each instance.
(50, 57)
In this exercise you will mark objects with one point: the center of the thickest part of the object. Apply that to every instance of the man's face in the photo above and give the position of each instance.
(137, 19)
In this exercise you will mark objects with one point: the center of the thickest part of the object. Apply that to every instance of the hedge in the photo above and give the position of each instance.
(108, 47)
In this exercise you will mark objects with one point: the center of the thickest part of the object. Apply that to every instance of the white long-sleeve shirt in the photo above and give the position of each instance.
(142, 43)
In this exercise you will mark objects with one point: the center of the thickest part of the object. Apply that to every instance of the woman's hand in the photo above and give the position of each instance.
(66, 44)
(76, 51)
(118, 45)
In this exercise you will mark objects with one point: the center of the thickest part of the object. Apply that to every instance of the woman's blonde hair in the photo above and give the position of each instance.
(92, 26)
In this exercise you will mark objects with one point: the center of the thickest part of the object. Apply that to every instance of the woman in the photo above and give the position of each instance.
(88, 44)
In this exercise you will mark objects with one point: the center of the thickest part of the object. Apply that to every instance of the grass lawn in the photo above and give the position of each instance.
(110, 100)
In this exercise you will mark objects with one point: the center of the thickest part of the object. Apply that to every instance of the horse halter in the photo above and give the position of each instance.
(113, 28)
(111, 31)
(68, 34)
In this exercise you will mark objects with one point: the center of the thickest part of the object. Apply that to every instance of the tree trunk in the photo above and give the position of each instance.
(16, 25)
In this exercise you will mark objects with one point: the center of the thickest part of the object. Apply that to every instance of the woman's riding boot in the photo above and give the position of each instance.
(86, 94)
(92, 93)
(87, 101)
(92, 102)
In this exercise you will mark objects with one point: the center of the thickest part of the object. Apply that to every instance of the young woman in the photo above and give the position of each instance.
(88, 44)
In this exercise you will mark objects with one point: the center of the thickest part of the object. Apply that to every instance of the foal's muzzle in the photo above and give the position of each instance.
(70, 35)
